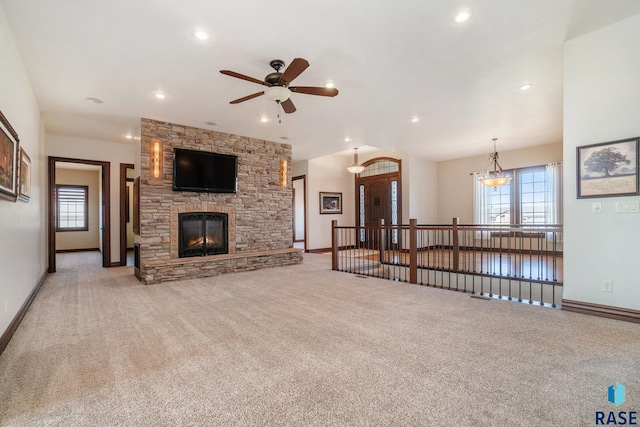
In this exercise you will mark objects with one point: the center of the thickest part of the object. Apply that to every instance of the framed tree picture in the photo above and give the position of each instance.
(608, 169)
(8, 160)
(24, 186)
(330, 203)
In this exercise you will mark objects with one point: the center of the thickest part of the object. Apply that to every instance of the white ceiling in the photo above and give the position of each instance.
(391, 61)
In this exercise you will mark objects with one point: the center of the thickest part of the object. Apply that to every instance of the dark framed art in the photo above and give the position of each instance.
(330, 203)
(608, 169)
(24, 182)
(8, 160)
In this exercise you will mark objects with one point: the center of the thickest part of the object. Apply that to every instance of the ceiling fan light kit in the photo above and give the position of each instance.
(277, 83)
(496, 177)
(277, 93)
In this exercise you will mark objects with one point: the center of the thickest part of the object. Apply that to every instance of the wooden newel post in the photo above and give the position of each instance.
(413, 251)
(456, 245)
(334, 245)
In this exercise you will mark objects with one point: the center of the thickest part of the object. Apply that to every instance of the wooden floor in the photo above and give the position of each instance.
(508, 264)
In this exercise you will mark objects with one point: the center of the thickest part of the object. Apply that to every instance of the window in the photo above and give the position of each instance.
(380, 167)
(498, 203)
(532, 197)
(72, 207)
(531, 207)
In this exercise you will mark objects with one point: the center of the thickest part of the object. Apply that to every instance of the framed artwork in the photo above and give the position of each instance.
(330, 203)
(24, 186)
(608, 169)
(8, 160)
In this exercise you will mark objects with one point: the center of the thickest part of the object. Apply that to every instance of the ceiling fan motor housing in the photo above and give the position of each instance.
(274, 78)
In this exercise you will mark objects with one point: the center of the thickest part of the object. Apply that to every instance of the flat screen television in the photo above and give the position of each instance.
(205, 172)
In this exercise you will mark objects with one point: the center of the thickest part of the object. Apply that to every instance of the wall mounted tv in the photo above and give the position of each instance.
(205, 172)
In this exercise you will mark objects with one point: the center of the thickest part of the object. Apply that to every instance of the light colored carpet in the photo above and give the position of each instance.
(303, 345)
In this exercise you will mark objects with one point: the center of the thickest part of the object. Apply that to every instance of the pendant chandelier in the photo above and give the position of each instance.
(355, 168)
(495, 177)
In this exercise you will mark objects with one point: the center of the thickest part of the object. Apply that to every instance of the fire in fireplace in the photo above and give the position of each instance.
(202, 234)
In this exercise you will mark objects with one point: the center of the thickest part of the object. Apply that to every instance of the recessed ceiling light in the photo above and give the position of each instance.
(462, 16)
(526, 86)
(212, 123)
(264, 119)
(95, 100)
(347, 139)
(128, 136)
(330, 85)
(200, 34)
(160, 95)
(284, 137)
(415, 119)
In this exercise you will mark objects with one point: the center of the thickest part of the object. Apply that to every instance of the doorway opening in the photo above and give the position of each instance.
(126, 214)
(300, 212)
(79, 209)
(379, 196)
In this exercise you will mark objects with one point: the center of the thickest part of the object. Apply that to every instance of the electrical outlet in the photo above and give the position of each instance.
(607, 286)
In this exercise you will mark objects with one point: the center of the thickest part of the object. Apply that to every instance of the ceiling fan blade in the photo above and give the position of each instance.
(312, 90)
(288, 106)
(243, 77)
(297, 66)
(246, 98)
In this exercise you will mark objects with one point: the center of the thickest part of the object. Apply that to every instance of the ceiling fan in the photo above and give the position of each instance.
(277, 83)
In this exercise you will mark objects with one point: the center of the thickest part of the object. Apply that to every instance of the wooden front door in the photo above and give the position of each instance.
(377, 205)
(378, 197)
(377, 202)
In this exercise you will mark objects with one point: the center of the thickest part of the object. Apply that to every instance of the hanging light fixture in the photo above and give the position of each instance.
(496, 177)
(277, 93)
(355, 168)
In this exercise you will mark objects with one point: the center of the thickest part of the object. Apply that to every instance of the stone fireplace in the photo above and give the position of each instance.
(202, 234)
(259, 217)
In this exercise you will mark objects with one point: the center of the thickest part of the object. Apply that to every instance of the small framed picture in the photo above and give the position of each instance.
(330, 203)
(8, 160)
(24, 185)
(608, 169)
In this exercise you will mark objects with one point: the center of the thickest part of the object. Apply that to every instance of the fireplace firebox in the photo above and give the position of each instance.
(202, 234)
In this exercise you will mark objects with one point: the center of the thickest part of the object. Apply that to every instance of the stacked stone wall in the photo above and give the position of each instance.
(261, 210)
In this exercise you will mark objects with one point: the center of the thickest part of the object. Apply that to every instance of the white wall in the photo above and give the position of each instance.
(82, 239)
(455, 184)
(328, 174)
(422, 192)
(131, 174)
(115, 153)
(129, 227)
(601, 103)
(298, 209)
(23, 259)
